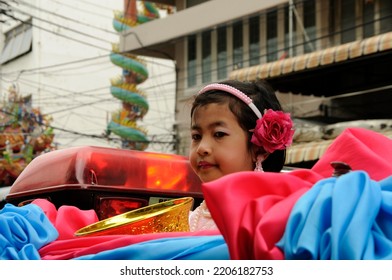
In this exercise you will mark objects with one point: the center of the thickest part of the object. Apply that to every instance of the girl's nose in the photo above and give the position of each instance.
(204, 148)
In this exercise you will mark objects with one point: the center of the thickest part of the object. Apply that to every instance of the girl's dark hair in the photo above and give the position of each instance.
(263, 96)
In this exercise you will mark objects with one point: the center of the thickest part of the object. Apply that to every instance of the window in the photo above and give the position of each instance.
(353, 21)
(254, 40)
(272, 35)
(386, 16)
(18, 42)
(368, 19)
(237, 45)
(206, 56)
(309, 25)
(348, 21)
(191, 70)
(222, 52)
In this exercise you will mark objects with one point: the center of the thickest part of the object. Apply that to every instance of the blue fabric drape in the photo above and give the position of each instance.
(349, 217)
(24, 230)
(181, 248)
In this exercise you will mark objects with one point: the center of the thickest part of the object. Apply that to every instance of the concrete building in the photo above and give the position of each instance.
(328, 60)
(58, 51)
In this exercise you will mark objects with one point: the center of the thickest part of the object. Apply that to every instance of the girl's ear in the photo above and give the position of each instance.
(256, 151)
(260, 155)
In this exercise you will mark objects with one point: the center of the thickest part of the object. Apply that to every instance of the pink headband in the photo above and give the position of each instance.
(237, 93)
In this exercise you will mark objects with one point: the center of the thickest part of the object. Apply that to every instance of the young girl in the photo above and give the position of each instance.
(236, 126)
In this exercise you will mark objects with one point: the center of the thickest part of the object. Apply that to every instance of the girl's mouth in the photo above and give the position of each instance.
(205, 165)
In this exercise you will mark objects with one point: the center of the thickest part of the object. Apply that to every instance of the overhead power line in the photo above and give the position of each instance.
(37, 69)
(66, 4)
(66, 18)
(61, 26)
(58, 34)
(98, 136)
(94, 5)
(55, 65)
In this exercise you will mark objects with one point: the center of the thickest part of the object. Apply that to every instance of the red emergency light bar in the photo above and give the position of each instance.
(88, 177)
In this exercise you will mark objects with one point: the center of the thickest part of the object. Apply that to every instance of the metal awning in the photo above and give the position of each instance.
(322, 68)
(304, 152)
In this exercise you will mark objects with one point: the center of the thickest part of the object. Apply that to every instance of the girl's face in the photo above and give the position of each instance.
(219, 144)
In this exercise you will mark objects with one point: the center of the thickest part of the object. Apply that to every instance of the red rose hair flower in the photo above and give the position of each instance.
(274, 131)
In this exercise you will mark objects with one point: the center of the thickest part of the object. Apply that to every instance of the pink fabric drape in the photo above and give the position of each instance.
(251, 209)
(68, 219)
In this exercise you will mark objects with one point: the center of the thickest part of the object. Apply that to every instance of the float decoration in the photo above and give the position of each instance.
(24, 134)
(134, 72)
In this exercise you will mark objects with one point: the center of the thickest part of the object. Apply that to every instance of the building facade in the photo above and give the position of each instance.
(328, 60)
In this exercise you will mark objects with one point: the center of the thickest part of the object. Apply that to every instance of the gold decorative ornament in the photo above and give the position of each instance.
(167, 216)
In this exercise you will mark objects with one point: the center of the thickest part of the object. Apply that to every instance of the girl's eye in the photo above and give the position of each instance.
(196, 137)
(219, 134)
